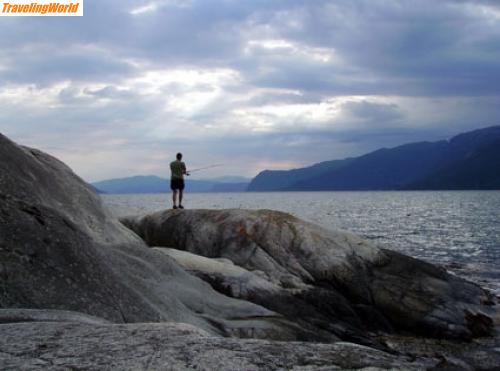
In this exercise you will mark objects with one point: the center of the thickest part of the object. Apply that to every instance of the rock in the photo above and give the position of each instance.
(232, 279)
(60, 249)
(355, 282)
(322, 311)
(479, 354)
(47, 315)
(176, 346)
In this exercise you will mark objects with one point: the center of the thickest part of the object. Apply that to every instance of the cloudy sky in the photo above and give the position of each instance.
(251, 84)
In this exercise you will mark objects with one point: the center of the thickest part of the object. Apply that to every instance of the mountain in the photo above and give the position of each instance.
(467, 161)
(155, 184)
(135, 184)
(475, 164)
(274, 180)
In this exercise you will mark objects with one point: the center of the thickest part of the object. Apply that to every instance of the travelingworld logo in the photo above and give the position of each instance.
(42, 8)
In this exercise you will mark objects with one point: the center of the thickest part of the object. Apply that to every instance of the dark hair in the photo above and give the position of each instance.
(179, 156)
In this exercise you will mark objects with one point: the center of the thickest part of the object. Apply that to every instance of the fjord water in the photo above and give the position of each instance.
(457, 229)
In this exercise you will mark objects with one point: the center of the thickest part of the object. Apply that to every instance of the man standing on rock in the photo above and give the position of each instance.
(178, 169)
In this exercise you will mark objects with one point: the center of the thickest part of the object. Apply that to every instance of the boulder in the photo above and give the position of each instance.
(61, 249)
(343, 277)
(322, 311)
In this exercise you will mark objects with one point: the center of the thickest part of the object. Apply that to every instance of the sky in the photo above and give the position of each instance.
(248, 84)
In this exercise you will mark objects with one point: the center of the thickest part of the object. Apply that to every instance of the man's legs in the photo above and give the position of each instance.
(180, 199)
(174, 197)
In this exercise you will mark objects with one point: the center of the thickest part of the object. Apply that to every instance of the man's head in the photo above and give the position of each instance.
(179, 156)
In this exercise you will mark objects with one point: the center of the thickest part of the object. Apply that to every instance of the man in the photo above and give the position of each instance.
(178, 169)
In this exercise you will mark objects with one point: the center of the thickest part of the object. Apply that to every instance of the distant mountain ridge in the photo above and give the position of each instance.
(155, 184)
(468, 161)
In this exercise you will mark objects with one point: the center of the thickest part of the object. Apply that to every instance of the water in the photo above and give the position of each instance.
(459, 230)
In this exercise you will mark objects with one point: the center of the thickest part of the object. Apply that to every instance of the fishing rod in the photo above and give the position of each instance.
(204, 168)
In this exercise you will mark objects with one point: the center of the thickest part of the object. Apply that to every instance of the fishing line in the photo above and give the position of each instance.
(204, 168)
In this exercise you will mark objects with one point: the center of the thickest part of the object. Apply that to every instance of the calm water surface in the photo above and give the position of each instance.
(460, 230)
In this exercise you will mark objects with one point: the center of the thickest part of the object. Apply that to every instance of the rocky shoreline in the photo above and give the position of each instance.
(214, 289)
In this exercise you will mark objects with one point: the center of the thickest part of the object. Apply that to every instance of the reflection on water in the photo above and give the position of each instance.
(460, 230)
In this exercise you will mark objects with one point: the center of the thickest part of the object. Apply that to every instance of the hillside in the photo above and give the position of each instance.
(467, 161)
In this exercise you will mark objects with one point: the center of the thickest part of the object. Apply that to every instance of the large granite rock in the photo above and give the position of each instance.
(319, 310)
(342, 282)
(60, 249)
(176, 346)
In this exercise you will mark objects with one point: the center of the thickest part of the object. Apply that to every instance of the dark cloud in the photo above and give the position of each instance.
(403, 48)
(374, 113)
